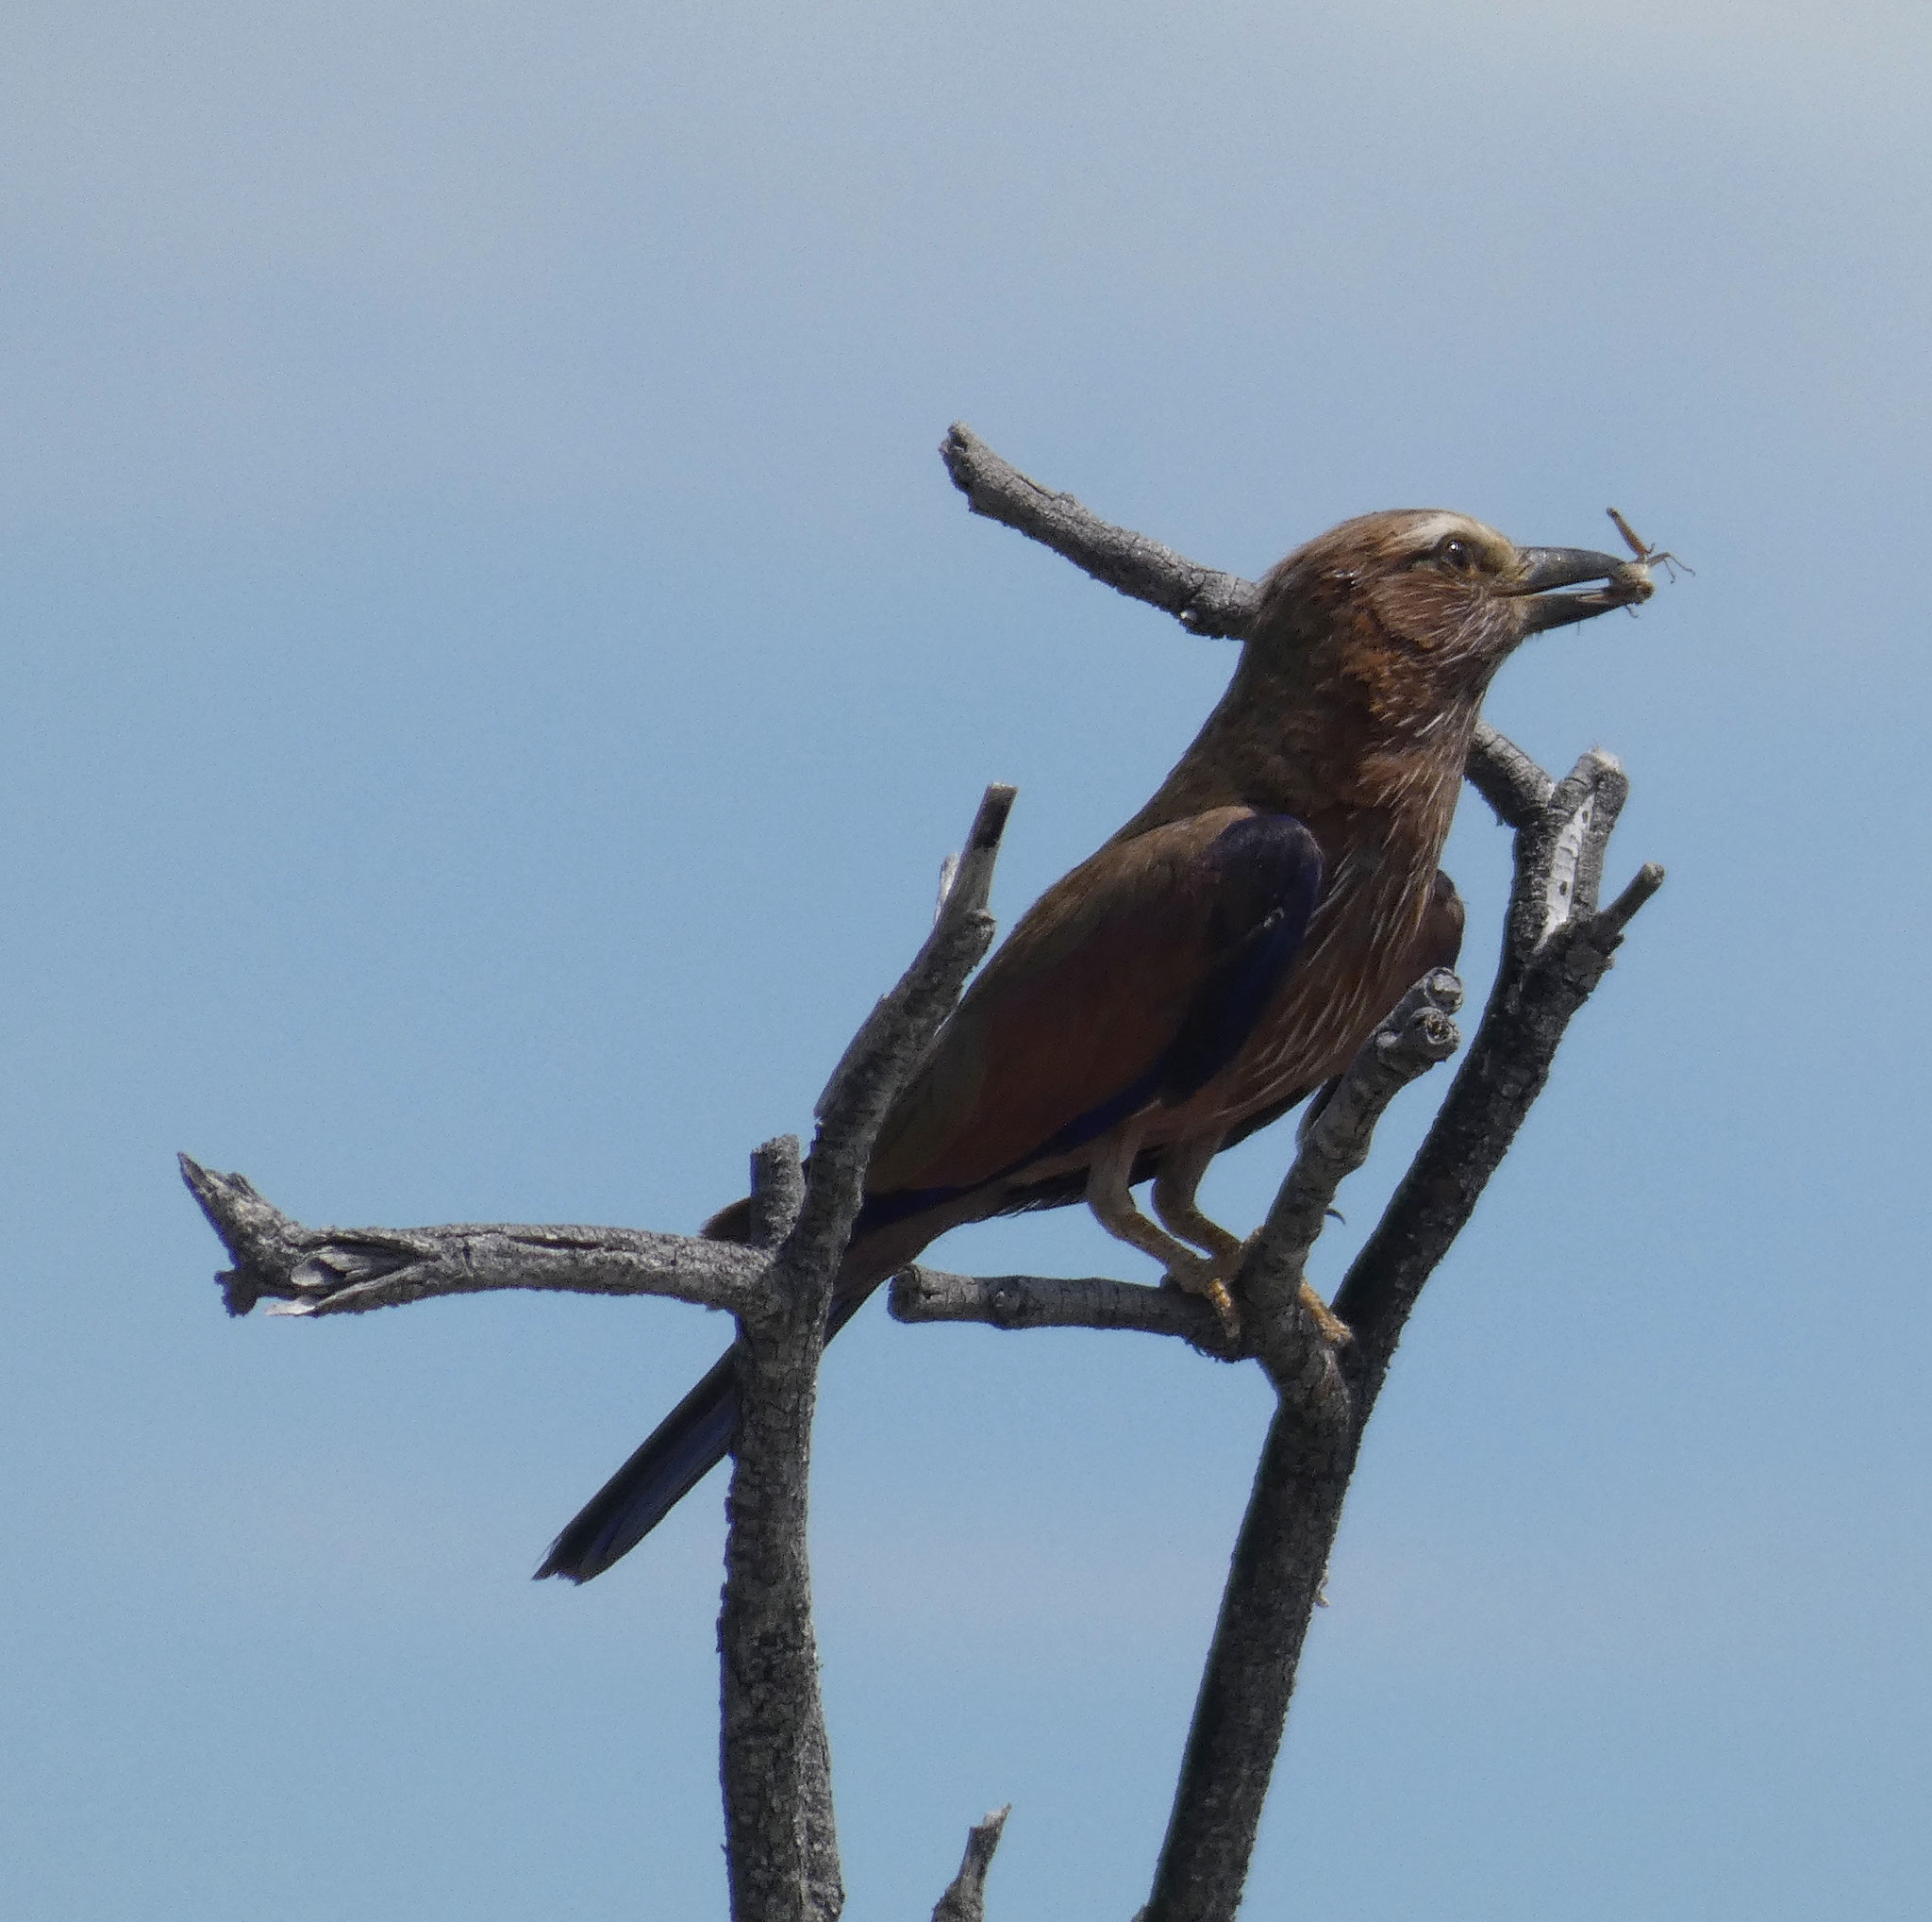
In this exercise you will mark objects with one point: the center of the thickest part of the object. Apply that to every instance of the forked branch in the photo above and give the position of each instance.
(1557, 946)
(781, 1839)
(782, 1847)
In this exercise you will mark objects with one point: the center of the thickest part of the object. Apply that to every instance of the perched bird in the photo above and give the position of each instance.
(1218, 960)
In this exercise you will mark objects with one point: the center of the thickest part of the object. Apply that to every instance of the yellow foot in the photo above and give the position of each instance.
(1216, 1293)
(1204, 1277)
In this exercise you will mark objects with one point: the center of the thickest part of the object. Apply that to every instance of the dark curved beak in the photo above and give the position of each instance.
(1548, 570)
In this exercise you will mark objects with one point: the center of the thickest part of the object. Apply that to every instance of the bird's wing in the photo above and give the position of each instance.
(1133, 980)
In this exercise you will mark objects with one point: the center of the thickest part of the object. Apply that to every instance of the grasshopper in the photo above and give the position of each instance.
(1646, 555)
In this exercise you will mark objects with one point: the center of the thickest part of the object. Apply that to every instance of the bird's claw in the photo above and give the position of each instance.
(1334, 1330)
(1205, 1280)
(1216, 1292)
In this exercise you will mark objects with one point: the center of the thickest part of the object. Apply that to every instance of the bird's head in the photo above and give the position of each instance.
(1417, 608)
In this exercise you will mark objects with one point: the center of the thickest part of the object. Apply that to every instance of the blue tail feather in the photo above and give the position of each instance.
(684, 1448)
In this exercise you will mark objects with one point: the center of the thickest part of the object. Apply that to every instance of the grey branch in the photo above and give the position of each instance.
(1280, 1558)
(1295, 1505)
(781, 1838)
(1513, 785)
(1204, 600)
(1558, 946)
(346, 1271)
(887, 1048)
(1417, 1034)
(965, 1898)
(777, 1190)
(1051, 1301)
(781, 1844)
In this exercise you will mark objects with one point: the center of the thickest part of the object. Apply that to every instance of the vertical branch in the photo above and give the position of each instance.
(779, 1823)
(776, 1766)
(781, 1837)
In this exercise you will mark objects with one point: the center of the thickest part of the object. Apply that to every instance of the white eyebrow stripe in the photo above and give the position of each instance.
(1431, 528)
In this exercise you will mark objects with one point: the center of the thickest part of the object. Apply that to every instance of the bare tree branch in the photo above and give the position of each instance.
(790, 1767)
(1274, 1581)
(1416, 1034)
(1054, 1301)
(1513, 785)
(888, 1045)
(782, 1848)
(777, 1190)
(1558, 946)
(1204, 600)
(1558, 949)
(1635, 893)
(346, 1271)
(780, 1844)
(965, 1898)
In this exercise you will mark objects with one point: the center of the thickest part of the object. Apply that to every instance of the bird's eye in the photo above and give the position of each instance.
(1456, 552)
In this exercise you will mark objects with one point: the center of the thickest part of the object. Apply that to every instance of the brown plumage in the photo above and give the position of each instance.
(1218, 959)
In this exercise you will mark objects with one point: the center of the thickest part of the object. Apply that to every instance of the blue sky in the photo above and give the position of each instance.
(492, 665)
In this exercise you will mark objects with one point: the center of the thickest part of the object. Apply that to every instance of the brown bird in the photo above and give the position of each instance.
(1218, 960)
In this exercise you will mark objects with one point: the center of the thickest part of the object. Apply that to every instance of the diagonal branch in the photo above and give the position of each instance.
(1416, 1034)
(1558, 946)
(1274, 1582)
(965, 1898)
(1513, 785)
(1204, 600)
(1295, 1506)
(888, 1047)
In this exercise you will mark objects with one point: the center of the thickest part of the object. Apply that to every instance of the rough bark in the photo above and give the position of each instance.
(965, 1898)
(781, 1844)
(1055, 1301)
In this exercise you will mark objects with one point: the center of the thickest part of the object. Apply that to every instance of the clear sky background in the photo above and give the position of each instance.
(492, 664)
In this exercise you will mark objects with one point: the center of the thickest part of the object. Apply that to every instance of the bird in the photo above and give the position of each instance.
(1216, 962)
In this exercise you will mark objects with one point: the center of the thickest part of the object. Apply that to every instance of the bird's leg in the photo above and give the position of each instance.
(1175, 1182)
(1181, 1169)
(1111, 1199)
